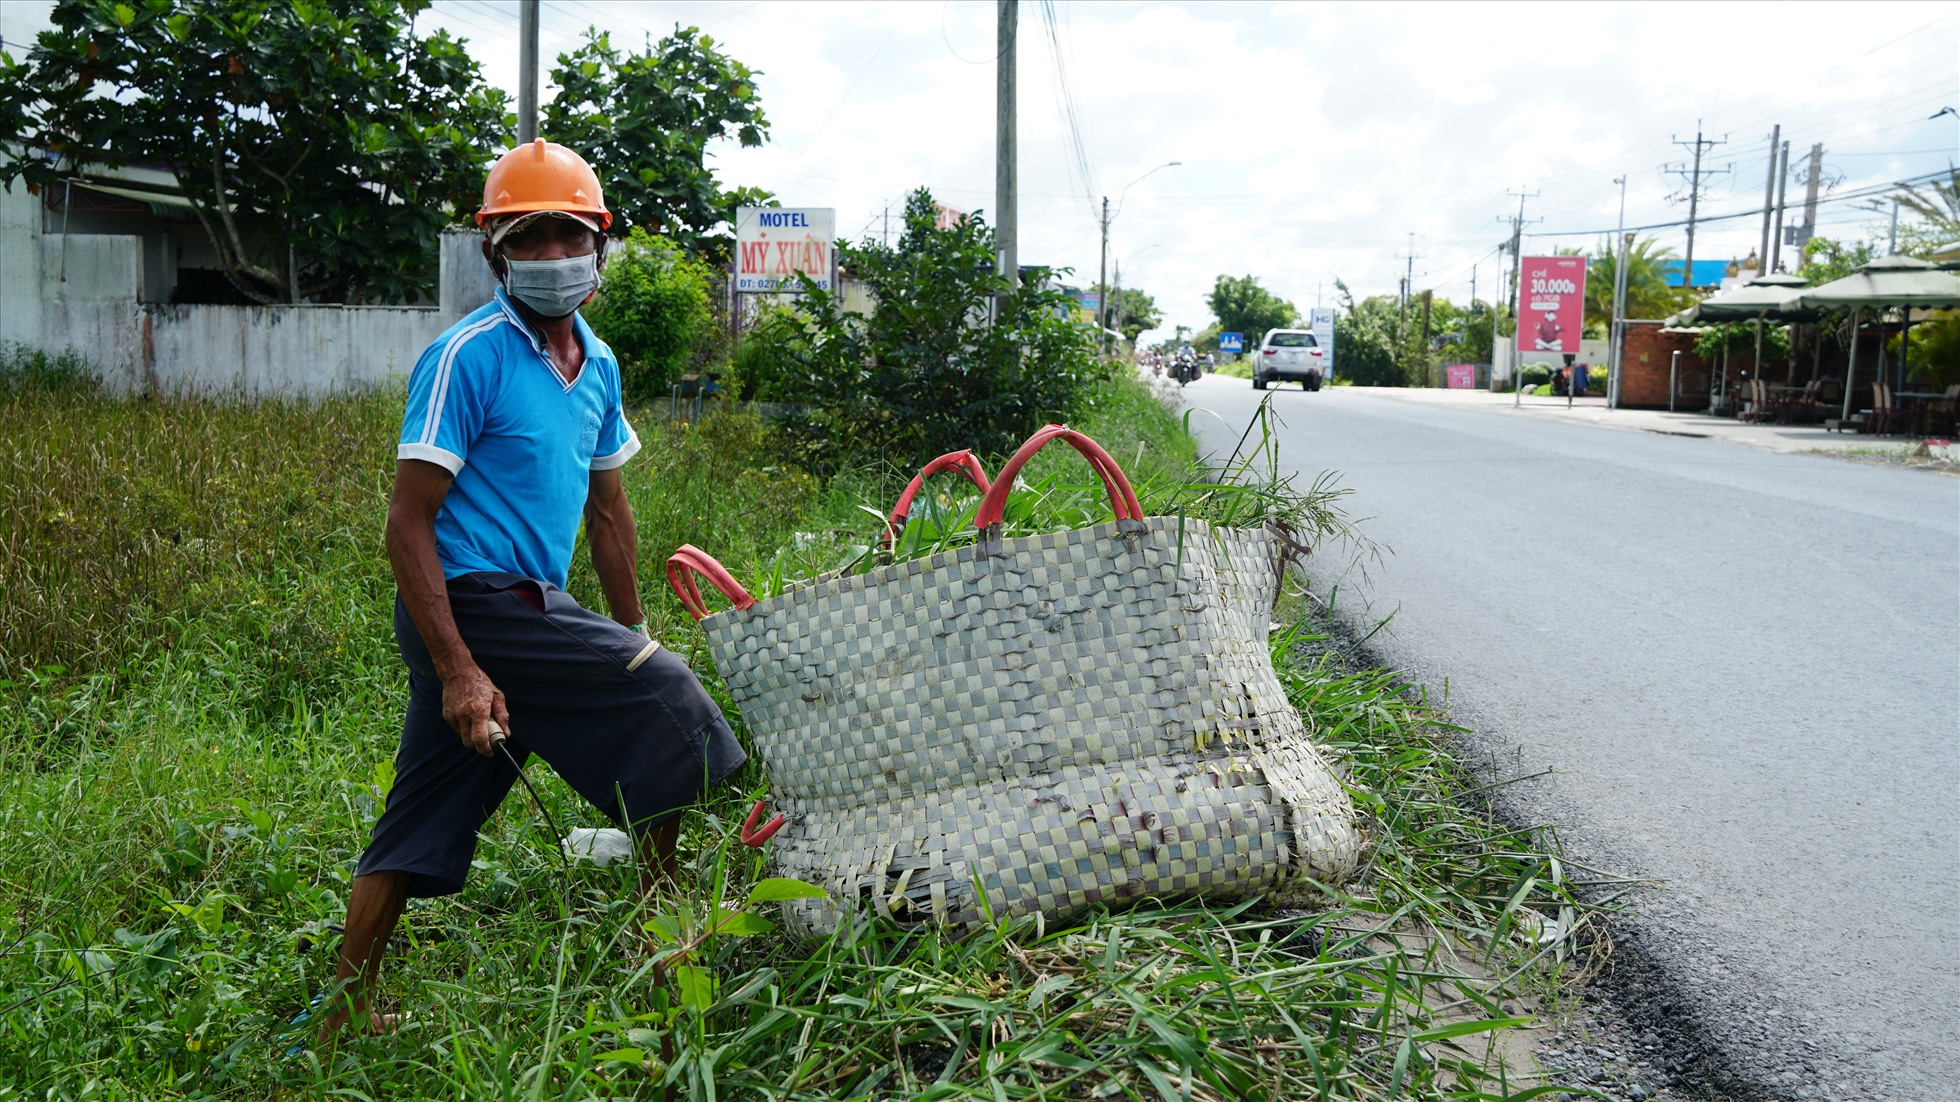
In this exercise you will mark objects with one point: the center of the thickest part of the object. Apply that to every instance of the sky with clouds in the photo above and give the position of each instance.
(1314, 138)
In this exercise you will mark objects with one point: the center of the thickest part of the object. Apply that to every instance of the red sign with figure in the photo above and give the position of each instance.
(1551, 303)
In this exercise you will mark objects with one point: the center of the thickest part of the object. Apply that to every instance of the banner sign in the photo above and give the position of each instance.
(1551, 305)
(1461, 376)
(1231, 342)
(945, 217)
(1321, 321)
(773, 244)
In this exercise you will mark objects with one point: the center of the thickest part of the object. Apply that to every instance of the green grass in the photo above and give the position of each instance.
(1237, 369)
(197, 724)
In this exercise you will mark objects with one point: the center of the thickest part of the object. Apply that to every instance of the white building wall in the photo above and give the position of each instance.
(136, 347)
(20, 266)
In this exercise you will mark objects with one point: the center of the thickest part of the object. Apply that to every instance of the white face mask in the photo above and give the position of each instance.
(554, 288)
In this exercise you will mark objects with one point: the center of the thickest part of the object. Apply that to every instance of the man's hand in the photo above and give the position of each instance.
(470, 703)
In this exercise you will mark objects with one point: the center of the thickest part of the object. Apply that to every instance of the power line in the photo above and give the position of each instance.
(1694, 178)
(1849, 196)
(1081, 166)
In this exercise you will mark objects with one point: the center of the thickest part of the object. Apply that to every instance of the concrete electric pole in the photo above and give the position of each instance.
(527, 71)
(1102, 282)
(1815, 174)
(1694, 177)
(1769, 198)
(1517, 236)
(1006, 224)
(1774, 261)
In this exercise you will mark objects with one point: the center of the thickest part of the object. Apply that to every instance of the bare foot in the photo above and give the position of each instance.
(374, 1025)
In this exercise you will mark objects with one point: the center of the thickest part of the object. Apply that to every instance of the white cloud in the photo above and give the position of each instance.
(1314, 137)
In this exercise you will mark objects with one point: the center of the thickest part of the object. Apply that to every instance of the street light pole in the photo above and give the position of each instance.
(1617, 351)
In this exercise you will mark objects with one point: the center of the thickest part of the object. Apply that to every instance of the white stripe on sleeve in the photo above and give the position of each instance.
(429, 453)
(618, 458)
(439, 389)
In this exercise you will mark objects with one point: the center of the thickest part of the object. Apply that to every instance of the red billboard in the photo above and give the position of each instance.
(1551, 303)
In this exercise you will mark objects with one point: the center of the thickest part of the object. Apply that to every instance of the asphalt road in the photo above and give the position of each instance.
(1744, 666)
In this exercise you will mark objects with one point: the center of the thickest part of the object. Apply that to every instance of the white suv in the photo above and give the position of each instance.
(1289, 354)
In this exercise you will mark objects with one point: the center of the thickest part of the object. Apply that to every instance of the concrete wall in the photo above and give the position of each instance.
(1644, 369)
(144, 347)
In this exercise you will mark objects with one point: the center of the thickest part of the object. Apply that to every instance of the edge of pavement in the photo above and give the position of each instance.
(1789, 439)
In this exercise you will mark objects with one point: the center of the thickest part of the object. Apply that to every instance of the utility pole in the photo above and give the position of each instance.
(1775, 259)
(1408, 285)
(1617, 351)
(1810, 202)
(1427, 296)
(1102, 283)
(1517, 235)
(527, 71)
(1892, 244)
(1769, 198)
(1694, 177)
(1006, 224)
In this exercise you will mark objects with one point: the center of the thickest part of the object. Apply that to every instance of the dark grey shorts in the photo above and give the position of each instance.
(639, 744)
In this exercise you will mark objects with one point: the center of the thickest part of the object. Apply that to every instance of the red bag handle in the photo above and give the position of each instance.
(690, 560)
(961, 461)
(1122, 499)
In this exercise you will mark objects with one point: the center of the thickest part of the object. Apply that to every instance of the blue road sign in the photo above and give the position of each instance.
(1231, 342)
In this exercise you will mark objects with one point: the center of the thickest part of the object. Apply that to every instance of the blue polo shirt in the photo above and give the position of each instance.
(485, 404)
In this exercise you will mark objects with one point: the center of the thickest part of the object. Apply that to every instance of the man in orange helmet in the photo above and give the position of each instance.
(513, 432)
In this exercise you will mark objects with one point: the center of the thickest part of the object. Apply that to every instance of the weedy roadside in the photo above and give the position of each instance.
(196, 732)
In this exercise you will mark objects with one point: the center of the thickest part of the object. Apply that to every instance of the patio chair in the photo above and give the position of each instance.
(1804, 408)
(1760, 408)
(1884, 410)
(1943, 414)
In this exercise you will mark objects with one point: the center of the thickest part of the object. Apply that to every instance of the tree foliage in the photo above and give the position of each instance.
(1937, 201)
(645, 122)
(1368, 349)
(1826, 259)
(1132, 312)
(1241, 305)
(654, 310)
(927, 371)
(1649, 295)
(324, 146)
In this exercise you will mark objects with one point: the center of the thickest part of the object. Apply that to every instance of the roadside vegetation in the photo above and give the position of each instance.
(198, 709)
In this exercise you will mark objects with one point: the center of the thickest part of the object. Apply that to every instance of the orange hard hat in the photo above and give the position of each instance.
(539, 177)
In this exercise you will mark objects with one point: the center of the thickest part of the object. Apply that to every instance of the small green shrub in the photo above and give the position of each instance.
(1535, 374)
(24, 369)
(950, 355)
(654, 310)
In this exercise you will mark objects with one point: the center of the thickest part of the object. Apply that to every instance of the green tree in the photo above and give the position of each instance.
(1366, 349)
(1242, 306)
(1649, 295)
(653, 310)
(324, 146)
(1469, 335)
(951, 355)
(1826, 259)
(645, 122)
(1937, 202)
(1131, 312)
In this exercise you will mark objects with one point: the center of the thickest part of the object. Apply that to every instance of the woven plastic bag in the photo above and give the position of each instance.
(1032, 724)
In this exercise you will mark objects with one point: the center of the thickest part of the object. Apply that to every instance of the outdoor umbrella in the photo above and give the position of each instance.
(1768, 294)
(1888, 281)
(1762, 296)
